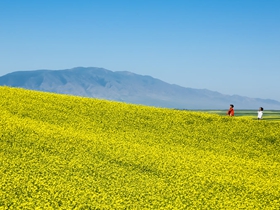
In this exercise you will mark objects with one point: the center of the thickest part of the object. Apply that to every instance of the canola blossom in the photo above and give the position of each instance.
(67, 152)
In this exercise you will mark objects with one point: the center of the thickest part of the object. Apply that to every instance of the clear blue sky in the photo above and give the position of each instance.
(229, 46)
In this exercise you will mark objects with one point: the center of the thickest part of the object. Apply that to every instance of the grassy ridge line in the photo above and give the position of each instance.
(70, 152)
(271, 115)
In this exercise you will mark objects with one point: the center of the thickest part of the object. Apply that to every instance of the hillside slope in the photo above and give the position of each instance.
(130, 88)
(59, 151)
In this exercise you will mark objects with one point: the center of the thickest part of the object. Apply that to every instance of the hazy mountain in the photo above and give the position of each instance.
(128, 87)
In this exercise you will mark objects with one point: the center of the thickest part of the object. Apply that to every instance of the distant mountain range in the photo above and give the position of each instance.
(128, 87)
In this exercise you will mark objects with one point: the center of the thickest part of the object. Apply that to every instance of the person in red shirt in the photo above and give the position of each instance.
(230, 111)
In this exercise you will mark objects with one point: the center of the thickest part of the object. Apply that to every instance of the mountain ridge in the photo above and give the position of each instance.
(128, 87)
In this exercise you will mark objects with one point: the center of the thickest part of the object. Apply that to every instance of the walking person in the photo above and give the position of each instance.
(230, 112)
(260, 113)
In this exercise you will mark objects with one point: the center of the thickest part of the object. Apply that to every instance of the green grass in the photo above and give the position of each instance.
(269, 115)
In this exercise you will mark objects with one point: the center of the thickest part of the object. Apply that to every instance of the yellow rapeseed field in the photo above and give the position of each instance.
(66, 152)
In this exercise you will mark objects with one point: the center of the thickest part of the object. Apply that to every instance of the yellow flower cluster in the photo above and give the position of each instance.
(66, 152)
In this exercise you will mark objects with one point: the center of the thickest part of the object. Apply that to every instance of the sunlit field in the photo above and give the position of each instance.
(272, 115)
(66, 152)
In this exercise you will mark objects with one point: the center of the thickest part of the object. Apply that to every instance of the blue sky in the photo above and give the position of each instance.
(229, 46)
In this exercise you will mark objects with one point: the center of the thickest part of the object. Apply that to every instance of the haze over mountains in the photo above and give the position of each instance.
(128, 87)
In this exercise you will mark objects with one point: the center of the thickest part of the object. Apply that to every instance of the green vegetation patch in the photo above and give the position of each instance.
(271, 115)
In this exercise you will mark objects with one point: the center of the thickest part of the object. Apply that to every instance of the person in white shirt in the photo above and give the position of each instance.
(260, 113)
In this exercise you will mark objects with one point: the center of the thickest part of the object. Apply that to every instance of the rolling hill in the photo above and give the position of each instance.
(128, 87)
(68, 152)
